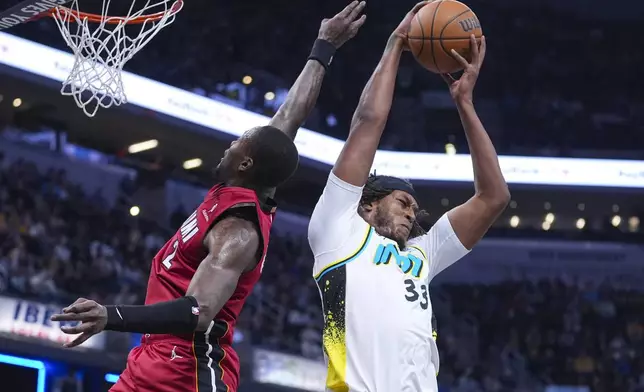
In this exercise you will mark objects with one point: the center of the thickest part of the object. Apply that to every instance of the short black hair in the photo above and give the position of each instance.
(275, 157)
(373, 192)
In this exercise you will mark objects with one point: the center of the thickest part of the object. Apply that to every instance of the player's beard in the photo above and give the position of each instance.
(384, 227)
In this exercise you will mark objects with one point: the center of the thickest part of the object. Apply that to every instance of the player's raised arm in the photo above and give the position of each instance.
(472, 219)
(303, 95)
(232, 244)
(369, 120)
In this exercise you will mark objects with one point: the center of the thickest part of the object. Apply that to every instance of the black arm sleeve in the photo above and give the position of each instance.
(178, 316)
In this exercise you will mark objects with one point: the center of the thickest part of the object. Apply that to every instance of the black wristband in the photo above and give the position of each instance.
(322, 52)
(173, 317)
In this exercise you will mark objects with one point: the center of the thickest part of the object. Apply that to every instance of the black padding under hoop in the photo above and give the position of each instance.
(26, 11)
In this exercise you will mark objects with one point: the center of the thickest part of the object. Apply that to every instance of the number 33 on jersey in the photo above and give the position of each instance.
(410, 263)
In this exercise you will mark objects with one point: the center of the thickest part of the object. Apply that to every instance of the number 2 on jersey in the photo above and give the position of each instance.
(188, 230)
(413, 293)
(167, 262)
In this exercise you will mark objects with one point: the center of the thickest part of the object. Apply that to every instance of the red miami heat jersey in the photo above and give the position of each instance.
(176, 263)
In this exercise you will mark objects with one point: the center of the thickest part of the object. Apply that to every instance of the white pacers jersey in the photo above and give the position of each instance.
(377, 334)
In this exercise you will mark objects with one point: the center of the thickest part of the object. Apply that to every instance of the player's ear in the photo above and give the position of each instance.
(245, 165)
(367, 207)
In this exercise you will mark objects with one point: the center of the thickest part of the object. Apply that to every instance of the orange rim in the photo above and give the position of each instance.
(66, 12)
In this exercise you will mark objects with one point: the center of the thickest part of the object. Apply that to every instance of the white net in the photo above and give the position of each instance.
(102, 46)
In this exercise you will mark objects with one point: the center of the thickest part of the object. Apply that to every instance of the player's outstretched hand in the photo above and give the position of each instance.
(344, 26)
(403, 28)
(92, 317)
(463, 88)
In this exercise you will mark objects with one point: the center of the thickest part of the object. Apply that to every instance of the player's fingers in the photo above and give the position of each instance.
(76, 329)
(460, 59)
(482, 51)
(348, 9)
(80, 307)
(357, 10)
(448, 78)
(418, 6)
(79, 340)
(355, 26)
(79, 300)
(71, 317)
(474, 47)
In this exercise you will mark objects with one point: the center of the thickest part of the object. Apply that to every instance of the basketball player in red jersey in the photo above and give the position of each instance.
(201, 278)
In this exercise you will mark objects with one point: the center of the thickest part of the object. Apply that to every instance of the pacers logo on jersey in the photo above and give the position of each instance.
(407, 262)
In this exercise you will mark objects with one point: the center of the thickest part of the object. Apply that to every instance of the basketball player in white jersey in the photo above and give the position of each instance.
(373, 262)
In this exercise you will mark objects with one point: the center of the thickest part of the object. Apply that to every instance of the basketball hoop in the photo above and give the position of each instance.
(103, 44)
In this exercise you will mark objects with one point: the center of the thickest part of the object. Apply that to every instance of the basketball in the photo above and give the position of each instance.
(438, 28)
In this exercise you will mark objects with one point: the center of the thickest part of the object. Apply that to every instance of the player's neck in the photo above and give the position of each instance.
(261, 192)
(367, 216)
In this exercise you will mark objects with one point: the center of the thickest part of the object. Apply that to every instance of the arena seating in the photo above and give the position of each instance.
(564, 332)
(57, 243)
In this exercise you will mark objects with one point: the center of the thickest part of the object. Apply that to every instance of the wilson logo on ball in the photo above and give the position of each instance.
(469, 24)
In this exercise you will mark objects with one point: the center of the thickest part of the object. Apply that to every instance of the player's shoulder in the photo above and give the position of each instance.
(337, 241)
(331, 223)
(240, 203)
(416, 241)
(435, 234)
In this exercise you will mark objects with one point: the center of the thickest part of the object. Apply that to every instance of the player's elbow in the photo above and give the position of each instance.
(503, 198)
(207, 313)
(497, 200)
(204, 323)
(212, 301)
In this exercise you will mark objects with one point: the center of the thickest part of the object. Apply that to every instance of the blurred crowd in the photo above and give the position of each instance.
(285, 312)
(57, 243)
(552, 332)
(550, 84)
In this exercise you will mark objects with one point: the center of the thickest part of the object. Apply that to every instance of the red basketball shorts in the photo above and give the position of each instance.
(171, 364)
